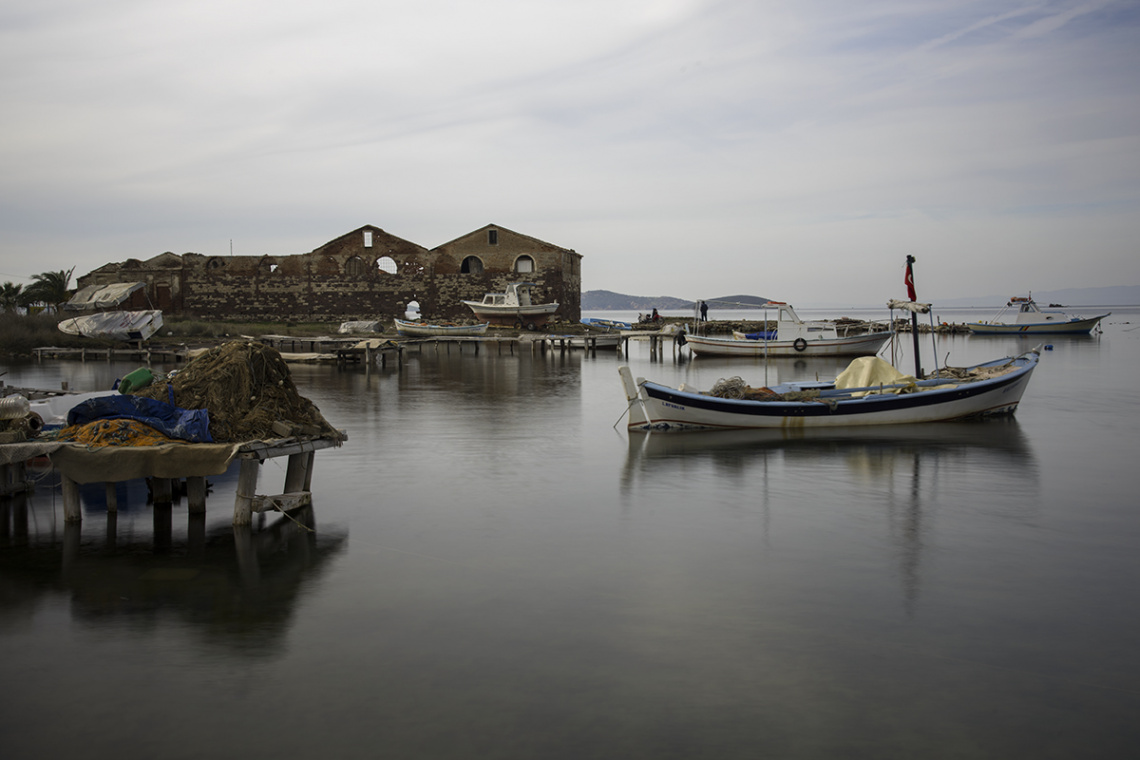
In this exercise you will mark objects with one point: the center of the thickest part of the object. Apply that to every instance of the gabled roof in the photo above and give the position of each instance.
(360, 230)
(501, 228)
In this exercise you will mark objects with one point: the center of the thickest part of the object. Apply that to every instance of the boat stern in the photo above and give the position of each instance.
(636, 406)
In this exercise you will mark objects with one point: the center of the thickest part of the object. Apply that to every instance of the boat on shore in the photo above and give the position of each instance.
(792, 337)
(425, 330)
(115, 325)
(869, 392)
(1022, 316)
(513, 307)
(606, 324)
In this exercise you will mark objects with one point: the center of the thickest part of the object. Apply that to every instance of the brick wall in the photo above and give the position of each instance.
(364, 274)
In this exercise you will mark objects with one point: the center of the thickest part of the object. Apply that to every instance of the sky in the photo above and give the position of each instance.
(692, 148)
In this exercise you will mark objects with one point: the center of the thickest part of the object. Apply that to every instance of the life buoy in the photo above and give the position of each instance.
(800, 344)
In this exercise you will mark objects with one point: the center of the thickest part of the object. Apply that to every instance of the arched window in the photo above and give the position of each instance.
(387, 265)
(354, 267)
(215, 263)
(471, 265)
(524, 264)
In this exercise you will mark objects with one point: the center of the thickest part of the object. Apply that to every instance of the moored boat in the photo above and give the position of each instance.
(1022, 316)
(792, 337)
(424, 330)
(115, 325)
(513, 307)
(869, 392)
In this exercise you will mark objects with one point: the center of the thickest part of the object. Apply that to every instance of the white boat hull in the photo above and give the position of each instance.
(421, 330)
(115, 325)
(531, 316)
(658, 407)
(856, 345)
(1072, 327)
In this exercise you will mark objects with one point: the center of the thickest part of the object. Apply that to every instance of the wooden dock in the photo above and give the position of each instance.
(296, 492)
(145, 354)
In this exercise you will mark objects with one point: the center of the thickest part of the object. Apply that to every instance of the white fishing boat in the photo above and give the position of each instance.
(792, 337)
(425, 330)
(114, 325)
(869, 392)
(1023, 316)
(513, 307)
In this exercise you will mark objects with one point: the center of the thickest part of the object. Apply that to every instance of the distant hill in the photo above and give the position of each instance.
(607, 300)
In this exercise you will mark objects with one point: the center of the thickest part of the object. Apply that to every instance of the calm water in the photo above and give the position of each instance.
(499, 572)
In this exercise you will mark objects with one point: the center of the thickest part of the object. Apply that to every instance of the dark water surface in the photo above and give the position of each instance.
(499, 572)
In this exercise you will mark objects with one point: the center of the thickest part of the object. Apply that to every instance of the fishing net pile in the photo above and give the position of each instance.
(248, 391)
(736, 388)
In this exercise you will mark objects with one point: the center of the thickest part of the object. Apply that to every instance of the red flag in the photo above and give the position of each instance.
(910, 283)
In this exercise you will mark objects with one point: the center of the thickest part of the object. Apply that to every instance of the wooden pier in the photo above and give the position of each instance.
(589, 342)
(160, 465)
(144, 354)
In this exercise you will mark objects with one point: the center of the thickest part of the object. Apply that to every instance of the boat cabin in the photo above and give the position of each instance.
(789, 326)
(518, 294)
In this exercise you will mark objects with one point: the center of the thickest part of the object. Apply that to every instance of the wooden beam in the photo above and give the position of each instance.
(282, 502)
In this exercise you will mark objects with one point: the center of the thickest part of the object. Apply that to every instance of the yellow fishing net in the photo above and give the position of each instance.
(113, 433)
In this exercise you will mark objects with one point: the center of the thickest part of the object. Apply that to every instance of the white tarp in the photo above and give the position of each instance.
(347, 328)
(102, 296)
(117, 325)
(871, 371)
(911, 306)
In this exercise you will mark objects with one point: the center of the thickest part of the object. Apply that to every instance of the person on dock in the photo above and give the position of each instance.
(704, 311)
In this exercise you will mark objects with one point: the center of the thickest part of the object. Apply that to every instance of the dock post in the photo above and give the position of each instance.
(196, 494)
(298, 472)
(71, 510)
(112, 497)
(246, 490)
(163, 493)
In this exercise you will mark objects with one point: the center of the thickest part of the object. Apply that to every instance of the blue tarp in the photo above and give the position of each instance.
(185, 424)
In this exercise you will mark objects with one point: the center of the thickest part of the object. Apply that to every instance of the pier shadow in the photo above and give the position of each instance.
(235, 587)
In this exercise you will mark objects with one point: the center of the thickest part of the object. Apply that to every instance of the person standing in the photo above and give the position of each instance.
(704, 311)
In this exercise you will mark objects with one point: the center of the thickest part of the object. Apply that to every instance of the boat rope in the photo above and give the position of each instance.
(281, 508)
(628, 406)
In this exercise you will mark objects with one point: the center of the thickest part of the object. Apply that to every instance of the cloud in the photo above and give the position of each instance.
(686, 147)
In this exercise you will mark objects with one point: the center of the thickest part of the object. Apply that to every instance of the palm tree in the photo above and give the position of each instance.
(49, 287)
(10, 296)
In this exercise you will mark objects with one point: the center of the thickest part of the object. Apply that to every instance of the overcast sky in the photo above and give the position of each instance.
(794, 150)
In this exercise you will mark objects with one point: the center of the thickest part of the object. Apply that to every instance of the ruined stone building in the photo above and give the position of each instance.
(362, 275)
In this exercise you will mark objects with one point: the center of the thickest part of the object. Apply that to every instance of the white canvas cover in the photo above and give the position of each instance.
(368, 326)
(871, 371)
(102, 296)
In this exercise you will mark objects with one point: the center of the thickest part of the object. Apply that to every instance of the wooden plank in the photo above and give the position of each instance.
(282, 502)
(297, 473)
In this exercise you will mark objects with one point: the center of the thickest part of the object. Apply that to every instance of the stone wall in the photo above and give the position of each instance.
(364, 274)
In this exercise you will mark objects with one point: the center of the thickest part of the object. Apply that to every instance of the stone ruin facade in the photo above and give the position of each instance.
(365, 274)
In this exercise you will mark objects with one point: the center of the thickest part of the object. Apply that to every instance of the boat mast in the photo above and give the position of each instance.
(913, 315)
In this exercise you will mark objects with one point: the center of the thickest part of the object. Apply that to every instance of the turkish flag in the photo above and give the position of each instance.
(910, 283)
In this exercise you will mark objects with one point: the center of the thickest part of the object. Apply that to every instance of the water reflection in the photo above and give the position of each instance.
(905, 474)
(237, 588)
